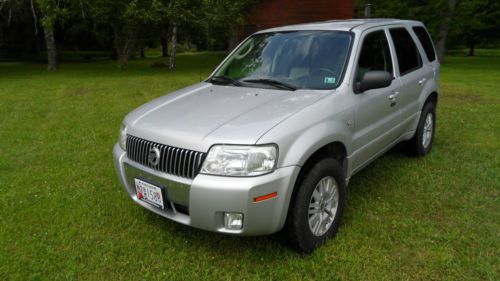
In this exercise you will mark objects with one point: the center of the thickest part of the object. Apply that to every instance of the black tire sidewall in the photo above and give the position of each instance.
(306, 241)
(421, 150)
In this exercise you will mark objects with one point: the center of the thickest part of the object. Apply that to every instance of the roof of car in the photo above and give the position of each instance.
(343, 25)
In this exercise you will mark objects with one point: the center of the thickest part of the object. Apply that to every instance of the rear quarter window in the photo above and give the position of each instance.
(426, 42)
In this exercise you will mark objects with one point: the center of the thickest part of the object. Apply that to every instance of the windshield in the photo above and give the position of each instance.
(288, 60)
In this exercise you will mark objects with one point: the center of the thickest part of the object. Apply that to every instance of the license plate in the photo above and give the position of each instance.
(149, 193)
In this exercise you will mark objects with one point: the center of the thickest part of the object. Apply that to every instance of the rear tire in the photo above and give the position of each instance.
(421, 143)
(317, 207)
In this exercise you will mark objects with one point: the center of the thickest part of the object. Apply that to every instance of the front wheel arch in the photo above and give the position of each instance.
(335, 150)
(297, 229)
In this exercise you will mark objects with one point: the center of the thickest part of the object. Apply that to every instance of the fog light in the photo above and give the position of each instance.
(233, 221)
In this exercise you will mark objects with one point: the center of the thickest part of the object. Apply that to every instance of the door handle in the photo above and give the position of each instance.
(422, 81)
(393, 96)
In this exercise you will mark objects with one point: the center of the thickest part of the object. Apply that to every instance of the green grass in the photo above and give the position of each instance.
(63, 214)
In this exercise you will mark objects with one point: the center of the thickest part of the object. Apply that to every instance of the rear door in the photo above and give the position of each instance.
(427, 48)
(411, 71)
(376, 114)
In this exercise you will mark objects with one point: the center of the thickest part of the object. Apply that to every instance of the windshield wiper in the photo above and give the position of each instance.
(272, 82)
(224, 80)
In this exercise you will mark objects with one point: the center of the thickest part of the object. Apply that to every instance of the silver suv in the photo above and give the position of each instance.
(271, 139)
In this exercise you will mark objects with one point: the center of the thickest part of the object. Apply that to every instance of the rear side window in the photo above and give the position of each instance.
(375, 54)
(426, 42)
(406, 51)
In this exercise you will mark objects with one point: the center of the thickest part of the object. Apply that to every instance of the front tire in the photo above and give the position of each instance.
(421, 143)
(317, 208)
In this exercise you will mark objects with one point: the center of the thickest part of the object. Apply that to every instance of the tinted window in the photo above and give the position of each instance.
(426, 42)
(375, 54)
(406, 51)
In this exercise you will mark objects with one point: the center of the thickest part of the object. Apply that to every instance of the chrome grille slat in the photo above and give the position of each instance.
(148, 147)
(139, 152)
(181, 162)
(136, 150)
(198, 163)
(143, 152)
(169, 161)
(193, 164)
(131, 144)
(194, 160)
(188, 162)
(184, 161)
(173, 160)
(163, 157)
(133, 148)
(176, 153)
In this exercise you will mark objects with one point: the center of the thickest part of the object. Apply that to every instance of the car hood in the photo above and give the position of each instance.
(204, 114)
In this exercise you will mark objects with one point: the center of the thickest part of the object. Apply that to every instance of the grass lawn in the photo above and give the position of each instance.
(63, 214)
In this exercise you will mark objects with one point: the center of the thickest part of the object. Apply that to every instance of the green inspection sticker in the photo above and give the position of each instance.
(329, 80)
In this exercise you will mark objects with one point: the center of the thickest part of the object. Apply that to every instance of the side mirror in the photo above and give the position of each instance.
(374, 80)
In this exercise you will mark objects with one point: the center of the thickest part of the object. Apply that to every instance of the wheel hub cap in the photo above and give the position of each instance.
(323, 206)
(428, 130)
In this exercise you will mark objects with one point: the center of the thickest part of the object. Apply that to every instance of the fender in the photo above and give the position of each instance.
(430, 87)
(298, 137)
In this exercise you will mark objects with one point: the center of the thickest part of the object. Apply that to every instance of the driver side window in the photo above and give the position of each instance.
(375, 55)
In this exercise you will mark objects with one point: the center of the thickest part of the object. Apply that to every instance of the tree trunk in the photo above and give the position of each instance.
(143, 56)
(472, 43)
(164, 46)
(207, 37)
(174, 47)
(444, 28)
(112, 44)
(50, 44)
(126, 48)
(35, 18)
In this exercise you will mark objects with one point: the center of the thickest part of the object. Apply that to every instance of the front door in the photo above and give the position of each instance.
(377, 112)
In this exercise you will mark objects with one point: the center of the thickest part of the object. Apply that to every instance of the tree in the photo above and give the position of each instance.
(475, 22)
(450, 22)
(51, 12)
(444, 28)
(127, 19)
(224, 17)
(437, 15)
(179, 12)
(123, 26)
(18, 24)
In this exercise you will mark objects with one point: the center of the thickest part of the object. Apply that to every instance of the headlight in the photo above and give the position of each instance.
(239, 160)
(122, 139)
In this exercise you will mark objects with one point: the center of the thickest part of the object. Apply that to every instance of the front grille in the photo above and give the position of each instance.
(173, 160)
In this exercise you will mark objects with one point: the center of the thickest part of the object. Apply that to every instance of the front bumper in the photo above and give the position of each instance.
(201, 202)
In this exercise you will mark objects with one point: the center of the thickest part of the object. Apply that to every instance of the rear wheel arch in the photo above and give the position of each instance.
(433, 97)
